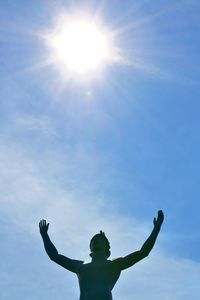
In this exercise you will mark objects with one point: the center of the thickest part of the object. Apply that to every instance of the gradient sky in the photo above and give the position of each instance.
(104, 153)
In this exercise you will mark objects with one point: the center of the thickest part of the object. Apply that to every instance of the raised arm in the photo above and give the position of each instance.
(131, 259)
(65, 262)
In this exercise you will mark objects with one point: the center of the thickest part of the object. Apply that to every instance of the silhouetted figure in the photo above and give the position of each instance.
(98, 277)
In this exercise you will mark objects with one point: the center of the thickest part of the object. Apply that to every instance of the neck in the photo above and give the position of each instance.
(98, 255)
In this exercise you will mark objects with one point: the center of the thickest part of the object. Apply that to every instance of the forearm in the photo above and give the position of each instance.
(136, 256)
(149, 243)
(49, 246)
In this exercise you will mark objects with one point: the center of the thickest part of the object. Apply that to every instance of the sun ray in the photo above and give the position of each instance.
(142, 21)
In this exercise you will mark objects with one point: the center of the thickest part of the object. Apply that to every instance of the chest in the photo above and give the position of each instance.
(98, 274)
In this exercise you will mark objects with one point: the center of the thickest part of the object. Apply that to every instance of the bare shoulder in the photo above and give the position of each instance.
(70, 264)
(116, 259)
(116, 263)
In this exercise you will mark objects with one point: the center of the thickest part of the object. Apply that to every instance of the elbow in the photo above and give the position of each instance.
(53, 257)
(144, 253)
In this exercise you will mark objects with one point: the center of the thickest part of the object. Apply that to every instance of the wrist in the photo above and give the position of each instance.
(157, 227)
(43, 234)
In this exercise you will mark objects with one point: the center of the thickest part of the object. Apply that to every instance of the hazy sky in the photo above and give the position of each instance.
(102, 152)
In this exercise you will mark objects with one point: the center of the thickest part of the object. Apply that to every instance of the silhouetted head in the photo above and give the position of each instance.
(100, 243)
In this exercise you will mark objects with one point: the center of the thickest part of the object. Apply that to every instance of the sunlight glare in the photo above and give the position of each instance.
(81, 46)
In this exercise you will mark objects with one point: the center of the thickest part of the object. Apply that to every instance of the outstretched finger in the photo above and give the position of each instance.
(41, 224)
(161, 214)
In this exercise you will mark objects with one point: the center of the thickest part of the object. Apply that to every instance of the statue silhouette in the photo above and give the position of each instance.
(98, 277)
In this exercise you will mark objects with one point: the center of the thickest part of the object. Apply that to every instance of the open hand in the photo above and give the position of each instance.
(158, 222)
(43, 225)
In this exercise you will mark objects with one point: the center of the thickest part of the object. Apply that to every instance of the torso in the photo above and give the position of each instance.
(96, 280)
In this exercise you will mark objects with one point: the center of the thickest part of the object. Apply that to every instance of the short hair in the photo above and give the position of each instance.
(102, 236)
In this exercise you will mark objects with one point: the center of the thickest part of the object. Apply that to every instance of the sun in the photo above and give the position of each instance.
(80, 46)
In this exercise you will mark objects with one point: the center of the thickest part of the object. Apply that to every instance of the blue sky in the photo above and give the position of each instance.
(108, 160)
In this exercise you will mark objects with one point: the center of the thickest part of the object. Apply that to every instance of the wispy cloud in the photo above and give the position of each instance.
(42, 125)
(28, 194)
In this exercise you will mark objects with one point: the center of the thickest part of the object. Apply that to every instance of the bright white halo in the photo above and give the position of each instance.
(80, 46)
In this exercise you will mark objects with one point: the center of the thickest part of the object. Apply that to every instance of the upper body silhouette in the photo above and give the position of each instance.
(98, 277)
